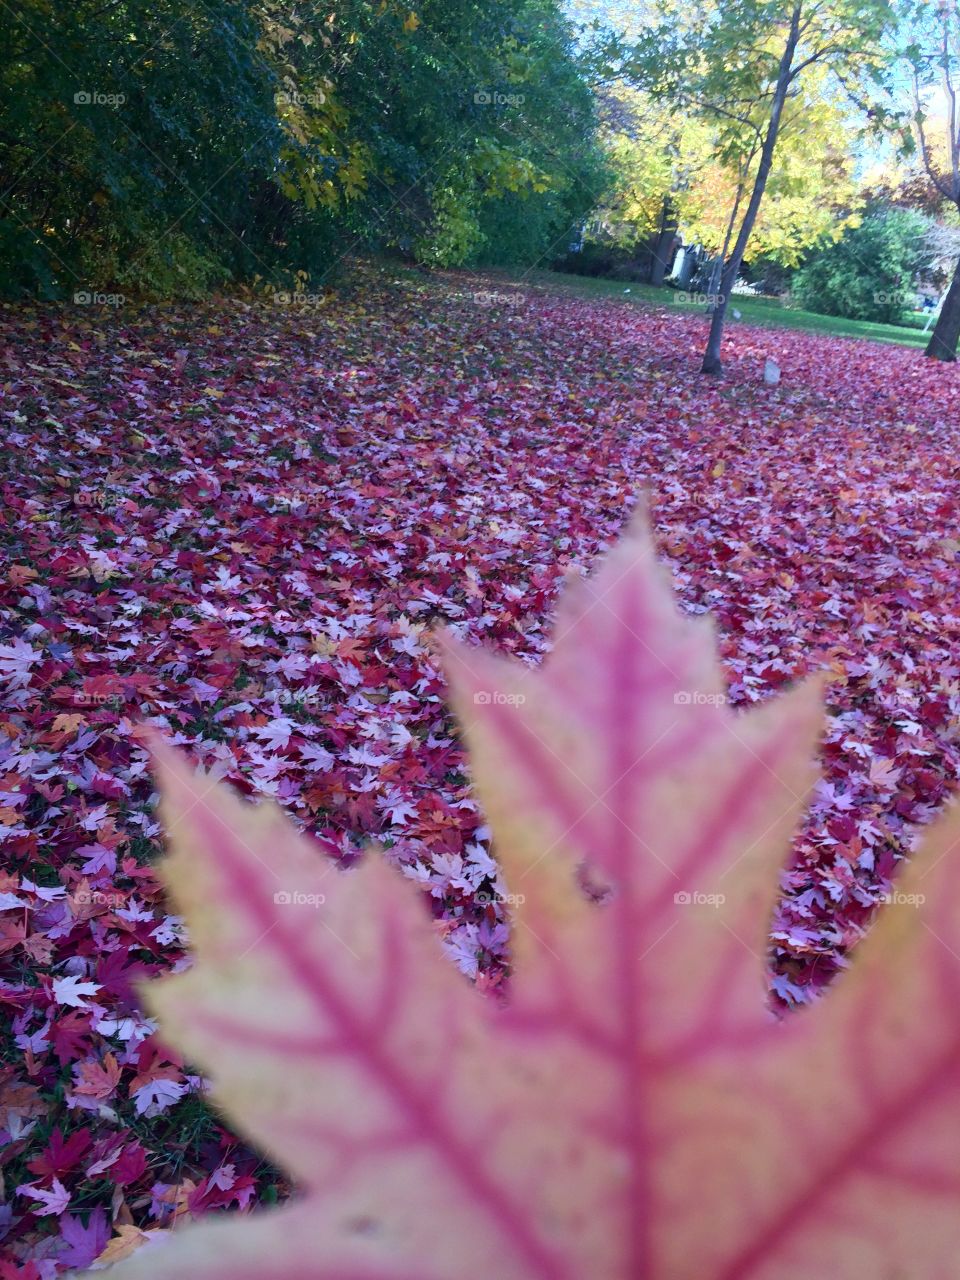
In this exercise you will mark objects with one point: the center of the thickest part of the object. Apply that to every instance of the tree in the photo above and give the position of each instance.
(743, 63)
(933, 58)
(663, 159)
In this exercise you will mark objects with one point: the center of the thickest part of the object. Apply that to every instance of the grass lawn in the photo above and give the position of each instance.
(761, 311)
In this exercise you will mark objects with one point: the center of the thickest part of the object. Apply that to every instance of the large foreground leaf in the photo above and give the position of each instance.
(633, 1112)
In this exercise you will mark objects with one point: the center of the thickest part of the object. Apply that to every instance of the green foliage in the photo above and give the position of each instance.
(164, 147)
(659, 153)
(868, 273)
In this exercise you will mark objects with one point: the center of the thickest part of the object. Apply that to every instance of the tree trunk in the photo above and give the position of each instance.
(728, 236)
(946, 332)
(664, 241)
(711, 357)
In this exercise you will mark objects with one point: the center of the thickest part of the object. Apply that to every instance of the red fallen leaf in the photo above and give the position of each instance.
(130, 1165)
(39, 948)
(70, 1035)
(61, 1155)
(98, 1080)
(12, 933)
(162, 1071)
(10, 1271)
(843, 828)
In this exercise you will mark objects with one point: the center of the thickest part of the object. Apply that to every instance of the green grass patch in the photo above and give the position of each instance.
(766, 312)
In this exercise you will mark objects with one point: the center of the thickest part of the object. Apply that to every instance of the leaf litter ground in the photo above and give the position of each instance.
(242, 522)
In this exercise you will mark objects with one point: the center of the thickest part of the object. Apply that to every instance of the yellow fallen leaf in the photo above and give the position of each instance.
(127, 1240)
(67, 722)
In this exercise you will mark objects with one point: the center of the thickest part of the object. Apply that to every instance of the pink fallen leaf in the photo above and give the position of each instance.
(157, 1096)
(54, 1200)
(633, 1111)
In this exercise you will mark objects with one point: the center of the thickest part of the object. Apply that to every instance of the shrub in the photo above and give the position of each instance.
(868, 273)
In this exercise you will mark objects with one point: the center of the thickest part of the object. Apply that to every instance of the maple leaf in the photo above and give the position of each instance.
(633, 1111)
(54, 1201)
(16, 659)
(124, 1243)
(20, 1104)
(84, 1243)
(60, 1155)
(277, 733)
(67, 723)
(98, 1080)
(157, 1095)
(71, 991)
